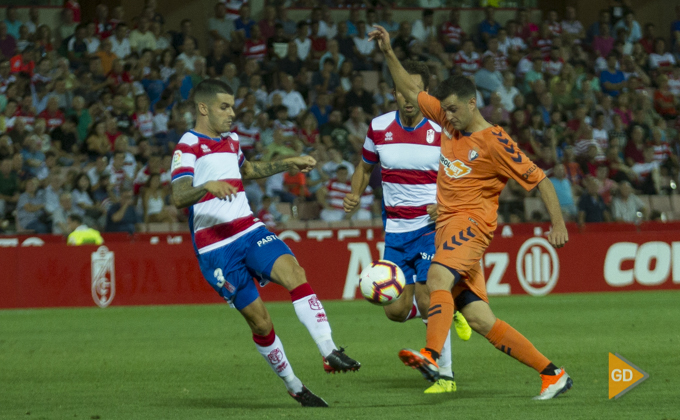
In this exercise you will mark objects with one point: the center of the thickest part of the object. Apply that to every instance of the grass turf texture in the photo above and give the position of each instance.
(199, 362)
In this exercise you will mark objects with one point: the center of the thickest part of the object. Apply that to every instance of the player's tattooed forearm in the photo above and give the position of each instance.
(184, 194)
(263, 169)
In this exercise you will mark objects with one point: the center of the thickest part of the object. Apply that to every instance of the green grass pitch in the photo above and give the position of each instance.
(199, 362)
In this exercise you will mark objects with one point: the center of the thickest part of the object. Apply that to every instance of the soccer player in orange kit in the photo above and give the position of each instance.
(476, 161)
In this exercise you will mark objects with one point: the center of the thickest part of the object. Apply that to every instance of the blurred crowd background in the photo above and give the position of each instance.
(91, 111)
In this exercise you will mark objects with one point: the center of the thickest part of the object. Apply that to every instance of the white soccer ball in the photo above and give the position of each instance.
(382, 282)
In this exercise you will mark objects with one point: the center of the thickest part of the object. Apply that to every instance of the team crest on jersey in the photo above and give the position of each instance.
(472, 155)
(388, 136)
(430, 136)
(455, 169)
(205, 148)
(231, 145)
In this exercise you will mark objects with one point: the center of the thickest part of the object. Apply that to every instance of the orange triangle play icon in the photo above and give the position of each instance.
(623, 376)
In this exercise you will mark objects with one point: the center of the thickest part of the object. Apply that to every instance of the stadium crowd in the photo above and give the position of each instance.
(90, 112)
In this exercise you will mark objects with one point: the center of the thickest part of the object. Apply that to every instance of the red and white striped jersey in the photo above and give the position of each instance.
(661, 152)
(555, 28)
(233, 7)
(500, 59)
(337, 191)
(214, 223)
(545, 45)
(143, 123)
(469, 65)
(553, 68)
(247, 137)
(409, 161)
(255, 49)
(454, 33)
(288, 128)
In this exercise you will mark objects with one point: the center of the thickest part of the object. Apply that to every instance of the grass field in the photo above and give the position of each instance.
(199, 362)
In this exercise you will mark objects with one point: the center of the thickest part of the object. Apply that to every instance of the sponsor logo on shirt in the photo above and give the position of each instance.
(176, 160)
(455, 169)
(205, 148)
(388, 136)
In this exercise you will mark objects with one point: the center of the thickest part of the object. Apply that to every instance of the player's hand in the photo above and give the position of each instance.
(350, 202)
(558, 236)
(221, 190)
(304, 163)
(433, 211)
(381, 35)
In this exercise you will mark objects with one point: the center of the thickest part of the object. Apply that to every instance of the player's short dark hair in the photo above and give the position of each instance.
(76, 218)
(419, 68)
(460, 86)
(208, 89)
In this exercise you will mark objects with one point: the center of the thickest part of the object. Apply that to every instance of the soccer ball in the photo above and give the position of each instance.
(382, 282)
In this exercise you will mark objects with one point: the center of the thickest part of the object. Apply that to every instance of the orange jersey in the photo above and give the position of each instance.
(474, 168)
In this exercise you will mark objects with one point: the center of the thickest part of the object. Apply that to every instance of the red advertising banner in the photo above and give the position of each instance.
(151, 269)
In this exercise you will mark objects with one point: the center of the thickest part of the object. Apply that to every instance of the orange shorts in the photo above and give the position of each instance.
(460, 245)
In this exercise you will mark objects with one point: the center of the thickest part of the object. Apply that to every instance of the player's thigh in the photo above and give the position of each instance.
(226, 273)
(269, 259)
(257, 317)
(459, 248)
(399, 309)
(479, 315)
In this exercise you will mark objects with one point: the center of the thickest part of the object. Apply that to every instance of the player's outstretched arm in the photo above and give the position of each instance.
(252, 170)
(558, 236)
(403, 83)
(360, 179)
(184, 194)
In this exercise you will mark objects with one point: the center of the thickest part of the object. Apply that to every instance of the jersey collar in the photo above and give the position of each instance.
(420, 124)
(203, 136)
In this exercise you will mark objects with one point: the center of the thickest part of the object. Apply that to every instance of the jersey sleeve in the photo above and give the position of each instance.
(511, 162)
(370, 153)
(183, 159)
(431, 108)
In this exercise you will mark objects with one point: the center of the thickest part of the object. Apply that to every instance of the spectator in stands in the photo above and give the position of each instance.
(390, 25)
(424, 28)
(153, 202)
(572, 28)
(404, 37)
(302, 41)
(330, 197)
(648, 173)
(564, 191)
(451, 34)
(291, 64)
(467, 59)
(488, 79)
(220, 27)
(8, 44)
(142, 38)
(244, 23)
(68, 25)
(489, 27)
(628, 207)
(327, 80)
(80, 233)
(291, 98)
(591, 206)
(596, 28)
(661, 60)
(359, 96)
(178, 38)
(289, 25)
(31, 213)
(120, 43)
(12, 22)
(121, 217)
(9, 188)
(33, 22)
(61, 213)
(364, 49)
(603, 43)
(632, 27)
(612, 79)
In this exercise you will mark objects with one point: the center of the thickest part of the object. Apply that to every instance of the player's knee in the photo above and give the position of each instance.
(480, 324)
(261, 326)
(396, 315)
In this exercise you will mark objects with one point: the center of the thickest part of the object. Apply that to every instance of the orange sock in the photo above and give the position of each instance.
(511, 342)
(439, 319)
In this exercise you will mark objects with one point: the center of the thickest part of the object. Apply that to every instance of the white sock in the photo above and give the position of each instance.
(310, 312)
(444, 360)
(276, 357)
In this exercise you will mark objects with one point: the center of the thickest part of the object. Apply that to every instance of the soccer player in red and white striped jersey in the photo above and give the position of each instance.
(232, 246)
(407, 147)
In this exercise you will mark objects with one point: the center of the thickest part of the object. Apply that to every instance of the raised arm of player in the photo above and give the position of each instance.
(184, 194)
(402, 81)
(558, 236)
(252, 170)
(360, 178)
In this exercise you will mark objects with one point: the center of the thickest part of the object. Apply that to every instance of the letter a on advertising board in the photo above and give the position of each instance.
(623, 376)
